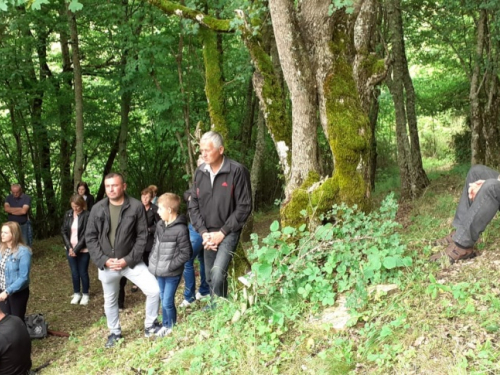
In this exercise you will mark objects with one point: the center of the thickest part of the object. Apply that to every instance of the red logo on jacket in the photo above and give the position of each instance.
(224, 184)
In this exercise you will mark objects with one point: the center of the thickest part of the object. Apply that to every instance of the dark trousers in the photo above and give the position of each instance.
(121, 293)
(472, 217)
(79, 266)
(16, 303)
(217, 264)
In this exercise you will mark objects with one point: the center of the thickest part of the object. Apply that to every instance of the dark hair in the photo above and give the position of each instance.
(147, 191)
(78, 200)
(113, 175)
(84, 184)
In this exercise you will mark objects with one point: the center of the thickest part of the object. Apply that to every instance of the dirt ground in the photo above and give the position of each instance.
(51, 292)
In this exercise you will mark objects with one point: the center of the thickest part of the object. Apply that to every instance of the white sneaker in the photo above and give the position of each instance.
(85, 299)
(163, 331)
(184, 304)
(200, 296)
(76, 298)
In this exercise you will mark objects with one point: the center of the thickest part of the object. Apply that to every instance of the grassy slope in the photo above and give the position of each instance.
(450, 326)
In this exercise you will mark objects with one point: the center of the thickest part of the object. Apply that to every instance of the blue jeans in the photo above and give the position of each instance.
(79, 266)
(168, 287)
(472, 217)
(217, 264)
(189, 276)
(27, 233)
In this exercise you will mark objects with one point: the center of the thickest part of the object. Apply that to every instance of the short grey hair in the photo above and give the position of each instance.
(16, 186)
(213, 137)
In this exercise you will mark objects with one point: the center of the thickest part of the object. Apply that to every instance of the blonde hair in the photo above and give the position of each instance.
(17, 239)
(170, 200)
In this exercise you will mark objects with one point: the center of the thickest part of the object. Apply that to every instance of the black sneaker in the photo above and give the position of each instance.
(151, 331)
(112, 339)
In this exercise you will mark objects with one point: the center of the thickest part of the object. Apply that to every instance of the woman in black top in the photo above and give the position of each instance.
(73, 234)
(83, 190)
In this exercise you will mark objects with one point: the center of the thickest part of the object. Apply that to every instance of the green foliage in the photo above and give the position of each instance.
(349, 252)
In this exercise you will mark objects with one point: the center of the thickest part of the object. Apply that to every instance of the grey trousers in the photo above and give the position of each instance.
(472, 218)
(217, 264)
(141, 277)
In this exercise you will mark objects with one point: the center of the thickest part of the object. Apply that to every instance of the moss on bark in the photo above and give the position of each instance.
(213, 82)
(212, 23)
(291, 212)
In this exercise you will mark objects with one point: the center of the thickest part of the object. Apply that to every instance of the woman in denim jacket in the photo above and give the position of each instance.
(15, 265)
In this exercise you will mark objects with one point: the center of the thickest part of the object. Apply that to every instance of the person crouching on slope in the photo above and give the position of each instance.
(171, 250)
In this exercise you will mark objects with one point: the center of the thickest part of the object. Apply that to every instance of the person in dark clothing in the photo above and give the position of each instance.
(73, 234)
(171, 250)
(478, 205)
(83, 190)
(219, 207)
(116, 237)
(17, 205)
(15, 346)
(190, 293)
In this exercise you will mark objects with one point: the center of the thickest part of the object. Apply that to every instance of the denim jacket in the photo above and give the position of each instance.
(17, 270)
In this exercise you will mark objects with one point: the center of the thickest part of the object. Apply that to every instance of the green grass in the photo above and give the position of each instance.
(443, 319)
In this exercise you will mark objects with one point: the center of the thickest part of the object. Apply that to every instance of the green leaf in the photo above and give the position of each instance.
(74, 5)
(390, 263)
(274, 226)
(265, 270)
(37, 4)
(289, 230)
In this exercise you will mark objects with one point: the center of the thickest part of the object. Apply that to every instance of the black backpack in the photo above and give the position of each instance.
(36, 325)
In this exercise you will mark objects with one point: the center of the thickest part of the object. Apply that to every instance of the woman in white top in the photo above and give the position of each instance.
(73, 233)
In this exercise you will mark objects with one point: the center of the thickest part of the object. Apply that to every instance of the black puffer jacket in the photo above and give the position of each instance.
(66, 230)
(171, 249)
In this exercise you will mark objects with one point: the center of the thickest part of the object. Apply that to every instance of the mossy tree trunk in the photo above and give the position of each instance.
(214, 82)
(331, 70)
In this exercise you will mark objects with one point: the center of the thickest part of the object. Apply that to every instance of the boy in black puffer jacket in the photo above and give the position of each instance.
(171, 249)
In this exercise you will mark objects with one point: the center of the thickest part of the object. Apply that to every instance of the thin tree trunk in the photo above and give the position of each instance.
(107, 168)
(476, 119)
(66, 141)
(412, 176)
(78, 83)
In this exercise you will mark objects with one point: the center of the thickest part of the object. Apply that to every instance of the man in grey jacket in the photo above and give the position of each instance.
(116, 236)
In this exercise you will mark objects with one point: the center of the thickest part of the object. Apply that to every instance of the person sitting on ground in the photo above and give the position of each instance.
(171, 250)
(479, 202)
(154, 189)
(15, 346)
(73, 234)
(15, 266)
(83, 190)
(190, 293)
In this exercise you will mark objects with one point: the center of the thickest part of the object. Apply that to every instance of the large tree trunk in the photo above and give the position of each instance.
(78, 83)
(298, 74)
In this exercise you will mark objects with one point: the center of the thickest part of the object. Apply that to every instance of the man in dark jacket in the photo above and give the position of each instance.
(15, 346)
(221, 202)
(116, 237)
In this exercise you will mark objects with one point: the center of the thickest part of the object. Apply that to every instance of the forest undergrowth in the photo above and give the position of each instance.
(443, 319)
